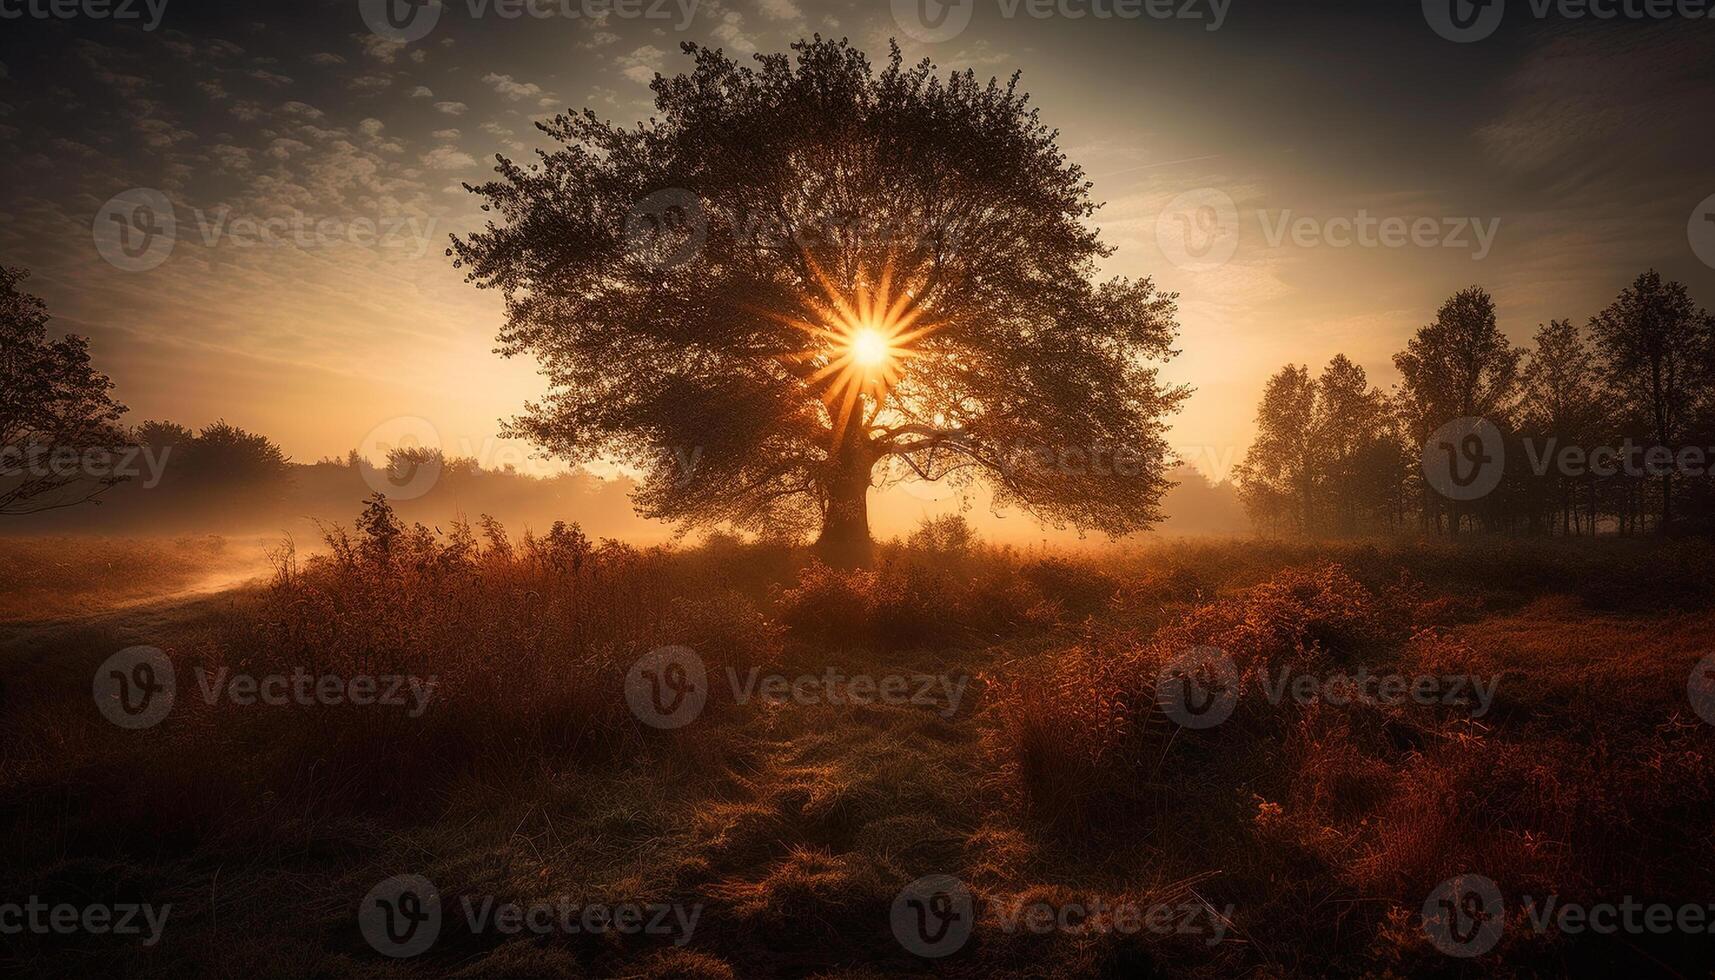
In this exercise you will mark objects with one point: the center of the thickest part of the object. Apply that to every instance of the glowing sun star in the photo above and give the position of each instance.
(860, 344)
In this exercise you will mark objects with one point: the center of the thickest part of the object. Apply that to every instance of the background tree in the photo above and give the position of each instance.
(839, 267)
(1351, 437)
(1459, 366)
(1656, 344)
(1561, 406)
(1325, 457)
(1277, 477)
(58, 421)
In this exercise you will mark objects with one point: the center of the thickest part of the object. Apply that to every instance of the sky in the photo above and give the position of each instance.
(1311, 179)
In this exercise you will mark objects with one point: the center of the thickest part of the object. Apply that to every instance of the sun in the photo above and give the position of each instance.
(859, 344)
(870, 348)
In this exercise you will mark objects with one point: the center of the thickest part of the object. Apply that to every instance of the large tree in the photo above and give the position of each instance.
(1656, 343)
(59, 425)
(801, 269)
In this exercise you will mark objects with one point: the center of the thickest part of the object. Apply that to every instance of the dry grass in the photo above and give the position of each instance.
(795, 825)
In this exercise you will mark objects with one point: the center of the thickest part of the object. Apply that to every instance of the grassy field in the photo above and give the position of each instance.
(985, 714)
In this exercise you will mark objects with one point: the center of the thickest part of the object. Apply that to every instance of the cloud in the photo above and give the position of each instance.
(159, 133)
(302, 111)
(371, 127)
(448, 158)
(422, 92)
(780, 9)
(514, 90)
(283, 149)
(446, 134)
(730, 29)
(269, 78)
(370, 84)
(384, 50)
(452, 108)
(642, 64)
(231, 158)
(325, 58)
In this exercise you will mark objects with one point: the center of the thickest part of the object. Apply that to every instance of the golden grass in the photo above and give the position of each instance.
(795, 825)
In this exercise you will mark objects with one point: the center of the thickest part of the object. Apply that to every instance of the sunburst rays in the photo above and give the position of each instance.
(859, 344)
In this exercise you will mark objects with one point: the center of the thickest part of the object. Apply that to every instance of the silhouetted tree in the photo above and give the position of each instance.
(1356, 464)
(1277, 477)
(1562, 405)
(1459, 366)
(1325, 451)
(841, 267)
(60, 439)
(1656, 344)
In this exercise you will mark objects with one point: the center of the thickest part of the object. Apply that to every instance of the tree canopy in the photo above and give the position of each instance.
(798, 270)
(59, 424)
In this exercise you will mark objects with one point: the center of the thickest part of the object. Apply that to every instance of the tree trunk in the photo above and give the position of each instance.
(845, 541)
(1666, 500)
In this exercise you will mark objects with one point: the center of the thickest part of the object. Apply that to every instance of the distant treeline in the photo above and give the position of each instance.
(1609, 428)
(222, 479)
